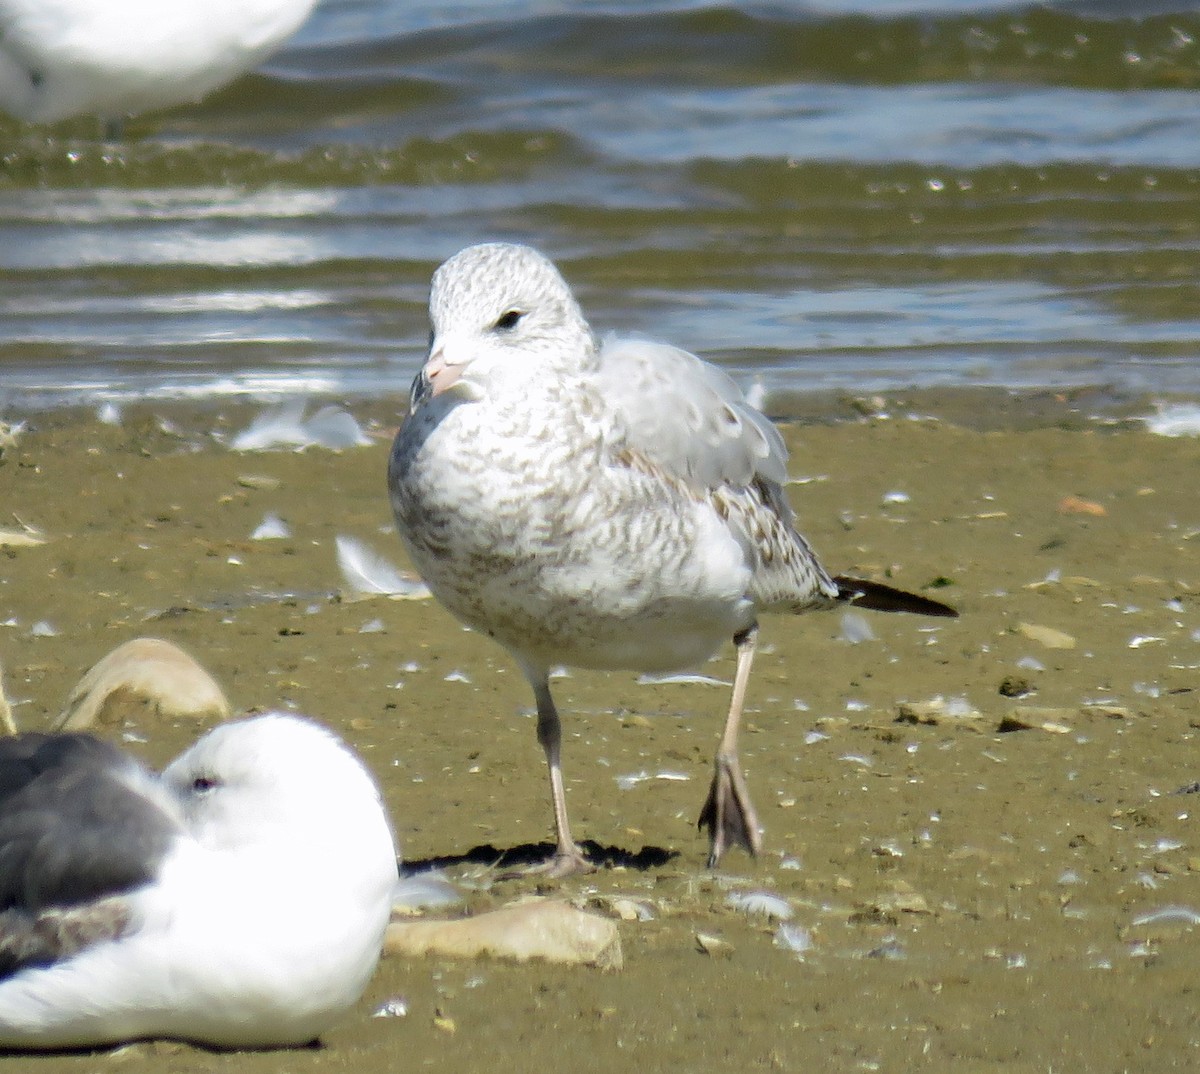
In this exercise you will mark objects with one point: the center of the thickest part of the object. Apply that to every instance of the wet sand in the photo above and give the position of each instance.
(971, 893)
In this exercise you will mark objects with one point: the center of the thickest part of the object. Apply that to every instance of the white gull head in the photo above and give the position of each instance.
(502, 311)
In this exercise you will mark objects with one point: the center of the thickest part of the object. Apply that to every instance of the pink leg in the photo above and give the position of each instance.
(567, 858)
(728, 813)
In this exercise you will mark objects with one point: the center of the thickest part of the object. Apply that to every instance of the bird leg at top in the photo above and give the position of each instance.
(568, 858)
(728, 813)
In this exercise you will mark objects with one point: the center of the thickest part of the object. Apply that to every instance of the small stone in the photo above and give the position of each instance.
(1034, 718)
(1112, 712)
(1077, 505)
(1047, 636)
(1015, 686)
(622, 907)
(714, 945)
(259, 481)
(902, 902)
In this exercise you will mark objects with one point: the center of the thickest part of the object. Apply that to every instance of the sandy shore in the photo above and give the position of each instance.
(972, 894)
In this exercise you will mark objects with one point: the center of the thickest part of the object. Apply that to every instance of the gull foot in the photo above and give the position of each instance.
(568, 863)
(728, 813)
(564, 862)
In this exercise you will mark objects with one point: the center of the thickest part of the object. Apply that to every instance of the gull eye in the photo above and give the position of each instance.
(509, 319)
(203, 784)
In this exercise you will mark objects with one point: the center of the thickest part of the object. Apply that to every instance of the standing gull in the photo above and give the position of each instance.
(239, 900)
(111, 58)
(605, 507)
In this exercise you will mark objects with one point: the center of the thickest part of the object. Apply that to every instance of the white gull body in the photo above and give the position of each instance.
(604, 507)
(111, 58)
(239, 900)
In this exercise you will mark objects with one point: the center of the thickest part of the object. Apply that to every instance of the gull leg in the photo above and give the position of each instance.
(728, 813)
(567, 858)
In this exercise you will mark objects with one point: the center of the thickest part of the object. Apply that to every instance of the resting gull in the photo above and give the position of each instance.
(603, 507)
(237, 900)
(111, 58)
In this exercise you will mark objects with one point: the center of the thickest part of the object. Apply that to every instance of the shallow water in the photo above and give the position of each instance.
(837, 195)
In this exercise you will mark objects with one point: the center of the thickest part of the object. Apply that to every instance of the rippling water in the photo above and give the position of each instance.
(844, 194)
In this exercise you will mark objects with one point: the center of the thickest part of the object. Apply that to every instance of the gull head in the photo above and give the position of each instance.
(279, 783)
(502, 314)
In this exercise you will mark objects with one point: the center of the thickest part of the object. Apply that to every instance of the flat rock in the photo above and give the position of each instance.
(550, 930)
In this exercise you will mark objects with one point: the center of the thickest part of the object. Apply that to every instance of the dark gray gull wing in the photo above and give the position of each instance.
(81, 823)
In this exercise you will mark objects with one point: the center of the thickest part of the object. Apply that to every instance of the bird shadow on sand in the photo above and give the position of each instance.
(526, 854)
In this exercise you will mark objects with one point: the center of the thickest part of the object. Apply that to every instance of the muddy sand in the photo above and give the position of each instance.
(1007, 881)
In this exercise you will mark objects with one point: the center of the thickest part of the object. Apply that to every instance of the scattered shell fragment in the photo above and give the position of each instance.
(396, 1007)
(543, 929)
(1138, 640)
(937, 710)
(1034, 717)
(143, 670)
(632, 779)
(1047, 636)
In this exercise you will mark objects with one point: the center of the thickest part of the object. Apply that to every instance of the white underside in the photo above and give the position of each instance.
(111, 58)
(222, 956)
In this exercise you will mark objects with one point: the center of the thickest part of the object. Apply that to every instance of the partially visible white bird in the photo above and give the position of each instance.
(113, 58)
(238, 900)
(604, 507)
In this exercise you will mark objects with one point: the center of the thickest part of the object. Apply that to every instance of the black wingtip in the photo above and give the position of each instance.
(885, 598)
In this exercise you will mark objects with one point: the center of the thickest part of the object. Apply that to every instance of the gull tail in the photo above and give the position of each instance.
(884, 598)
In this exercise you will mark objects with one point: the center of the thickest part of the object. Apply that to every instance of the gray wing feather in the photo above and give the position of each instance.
(689, 417)
(78, 826)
